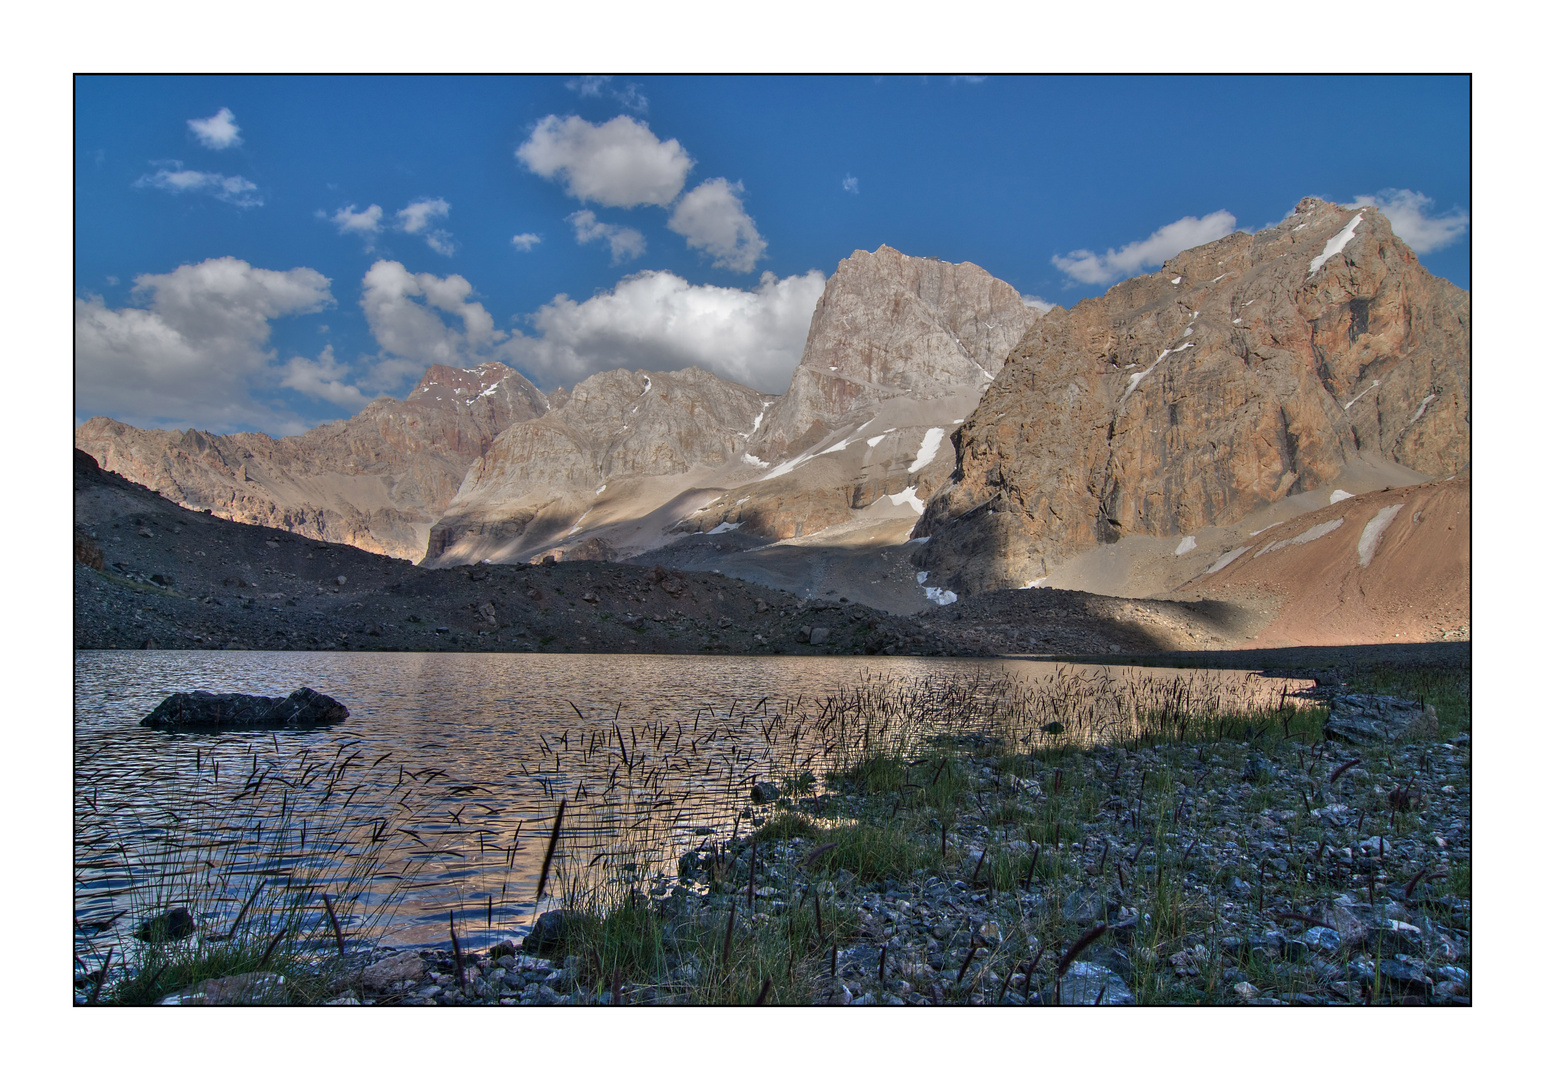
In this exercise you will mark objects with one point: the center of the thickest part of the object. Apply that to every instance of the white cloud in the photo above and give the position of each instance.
(625, 243)
(526, 240)
(593, 86)
(323, 378)
(366, 222)
(1177, 236)
(1410, 217)
(713, 219)
(659, 321)
(618, 163)
(850, 184)
(236, 190)
(414, 219)
(400, 309)
(198, 352)
(218, 132)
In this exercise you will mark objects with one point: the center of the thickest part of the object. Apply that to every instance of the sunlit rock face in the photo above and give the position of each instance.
(377, 481)
(1245, 371)
(899, 352)
(615, 431)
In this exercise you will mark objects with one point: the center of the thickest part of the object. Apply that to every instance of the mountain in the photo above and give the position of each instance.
(623, 445)
(1250, 371)
(899, 351)
(377, 481)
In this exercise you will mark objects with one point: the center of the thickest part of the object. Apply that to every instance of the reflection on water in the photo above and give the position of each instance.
(445, 778)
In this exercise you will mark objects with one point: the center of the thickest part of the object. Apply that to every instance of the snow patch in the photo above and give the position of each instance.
(1368, 543)
(724, 527)
(1354, 401)
(1249, 302)
(843, 445)
(1188, 544)
(922, 577)
(600, 489)
(1227, 558)
(752, 459)
(647, 385)
(1426, 401)
(928, 450)
(1036, 584)
(1133, 380)
(1175, 281)
(1337, 495)
(754, 424)
(1334, 245)
(1314, 533)
(908, 496)
(917, 540)
(876, 441)
(940, 596)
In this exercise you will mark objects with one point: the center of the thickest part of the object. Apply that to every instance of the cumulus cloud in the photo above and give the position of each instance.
(850, 184)
(1177, 236)
(236, 190)
(659, 321)
(365, 223)
(323, 378)
(625, 243)
(593, 86)
(218, 132)
(713, 219)
(414, 219)
(195, 355)
(401, 307)
(618, 163)
(1410, 216)
(526, 240)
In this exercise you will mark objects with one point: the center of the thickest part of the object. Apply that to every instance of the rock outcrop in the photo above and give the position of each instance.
(899, 352)
(377, 481)
(889, 326)
(1246, 371)
(202, 711)
(623, 444)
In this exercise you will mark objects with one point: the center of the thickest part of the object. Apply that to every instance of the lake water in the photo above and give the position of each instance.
(451, 766)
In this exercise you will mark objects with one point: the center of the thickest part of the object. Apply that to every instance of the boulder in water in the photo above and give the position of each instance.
(203, 711)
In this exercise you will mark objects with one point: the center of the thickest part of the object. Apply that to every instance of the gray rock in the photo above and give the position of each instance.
(253, 988)
(383, 975)
(550, 932)
(1367, 719)
(203, 711)
(819, 635)
(1085, 983)
(171, 925)
(764, 792)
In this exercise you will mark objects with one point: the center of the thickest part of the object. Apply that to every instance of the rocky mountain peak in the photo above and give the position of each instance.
(891, 325)
(1247, 370)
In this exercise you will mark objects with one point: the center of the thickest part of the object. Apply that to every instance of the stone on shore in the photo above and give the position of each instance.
(253, 988)
(1366, 719)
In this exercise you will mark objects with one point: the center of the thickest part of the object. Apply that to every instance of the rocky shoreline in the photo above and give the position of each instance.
(1257, 871)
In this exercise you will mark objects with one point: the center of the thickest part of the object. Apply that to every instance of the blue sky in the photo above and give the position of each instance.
(271, 253)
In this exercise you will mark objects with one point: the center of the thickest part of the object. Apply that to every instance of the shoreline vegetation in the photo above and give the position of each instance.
(949, 841)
